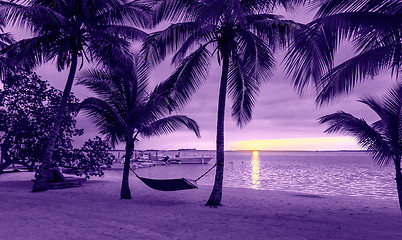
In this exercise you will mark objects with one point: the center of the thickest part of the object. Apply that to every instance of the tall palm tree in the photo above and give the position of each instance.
(383, 138)
(374, 27)
(124, 110)
(243, 35)
(67, 31)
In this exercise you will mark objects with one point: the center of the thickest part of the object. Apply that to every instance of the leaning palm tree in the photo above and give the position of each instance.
(243, 35)
(125, 111)
(374, 27)
(70, 31)
(383, 138)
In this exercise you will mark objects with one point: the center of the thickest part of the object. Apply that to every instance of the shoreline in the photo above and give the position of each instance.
(145, 165)
(94, 211)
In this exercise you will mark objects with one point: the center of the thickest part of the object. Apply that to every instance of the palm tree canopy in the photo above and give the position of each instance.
(123, 109)
(95, 29)
(374, 27)
(383, 138)
(243, 31)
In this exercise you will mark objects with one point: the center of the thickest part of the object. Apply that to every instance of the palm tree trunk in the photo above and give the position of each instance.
(125, 192)
(42, 181)
(216, 194)
(398, 178)
(5, 158)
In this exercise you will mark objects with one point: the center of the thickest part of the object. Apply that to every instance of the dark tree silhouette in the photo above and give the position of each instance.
(374, 27)
(5, 39)
(69, 30)
(243, 34)
(124, 110)
(89, 159)
(28, 106)
(383, 138)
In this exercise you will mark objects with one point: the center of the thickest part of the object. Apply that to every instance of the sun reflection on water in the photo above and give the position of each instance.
(255, 175)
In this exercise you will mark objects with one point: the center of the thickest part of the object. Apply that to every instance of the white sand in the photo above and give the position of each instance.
(94, 211)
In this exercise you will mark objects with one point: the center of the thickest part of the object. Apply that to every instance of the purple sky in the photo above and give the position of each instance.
(280, 113)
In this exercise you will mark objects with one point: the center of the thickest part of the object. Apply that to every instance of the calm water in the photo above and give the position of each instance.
(322, 173)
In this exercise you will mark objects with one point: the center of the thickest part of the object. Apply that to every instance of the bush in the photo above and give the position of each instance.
(90, 159)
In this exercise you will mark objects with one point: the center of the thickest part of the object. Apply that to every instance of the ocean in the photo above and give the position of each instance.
(319, 173)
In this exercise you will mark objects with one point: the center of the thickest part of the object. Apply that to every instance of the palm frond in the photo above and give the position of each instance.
(214, 11)
(273, 29)
(154, 107)
(262, 6)
(392, 118)
(204, 33)
(161, 43)
(125, 32)
(175, 11)
(243, 91)
(61, 50)
(189, 75)
(37, 17)
(31, 52)
(105, 118)
(366, 136)
(344, 77)
(250, 67)
(105, 84)
(335, 6)
(136, 11)
(168, 125)
(310, 55)
(375, 105)
(257, 56)
(103, 47)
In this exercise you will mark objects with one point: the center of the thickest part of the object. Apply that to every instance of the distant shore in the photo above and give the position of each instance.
(212, 150)
(94, 211)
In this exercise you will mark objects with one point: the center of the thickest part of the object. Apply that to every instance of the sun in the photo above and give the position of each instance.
(255, 154)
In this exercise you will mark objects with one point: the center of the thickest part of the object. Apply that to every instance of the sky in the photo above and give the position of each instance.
(282, 119)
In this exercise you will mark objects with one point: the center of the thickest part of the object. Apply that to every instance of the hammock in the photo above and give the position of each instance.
(171, 184)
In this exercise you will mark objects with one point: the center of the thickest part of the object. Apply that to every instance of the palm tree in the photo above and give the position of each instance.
(124, 110)
(374, 27)
(67, 31)
(383, 138)
(243, 34)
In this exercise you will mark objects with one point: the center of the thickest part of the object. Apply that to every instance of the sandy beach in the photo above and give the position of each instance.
(94, 211)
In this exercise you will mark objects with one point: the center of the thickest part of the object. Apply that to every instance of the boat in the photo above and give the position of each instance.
(148, 156)
(189, 156)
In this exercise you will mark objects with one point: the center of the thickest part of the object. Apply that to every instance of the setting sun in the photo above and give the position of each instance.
(312, 144)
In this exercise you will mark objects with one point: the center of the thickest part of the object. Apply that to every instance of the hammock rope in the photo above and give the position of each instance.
(171, 184)
(206, 172)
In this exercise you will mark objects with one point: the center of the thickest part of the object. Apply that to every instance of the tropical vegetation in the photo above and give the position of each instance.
(383, 138)
(373, 27)
(71, 32)
(28, 107)
(124, 110)
(242, 34)
(89, 159)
